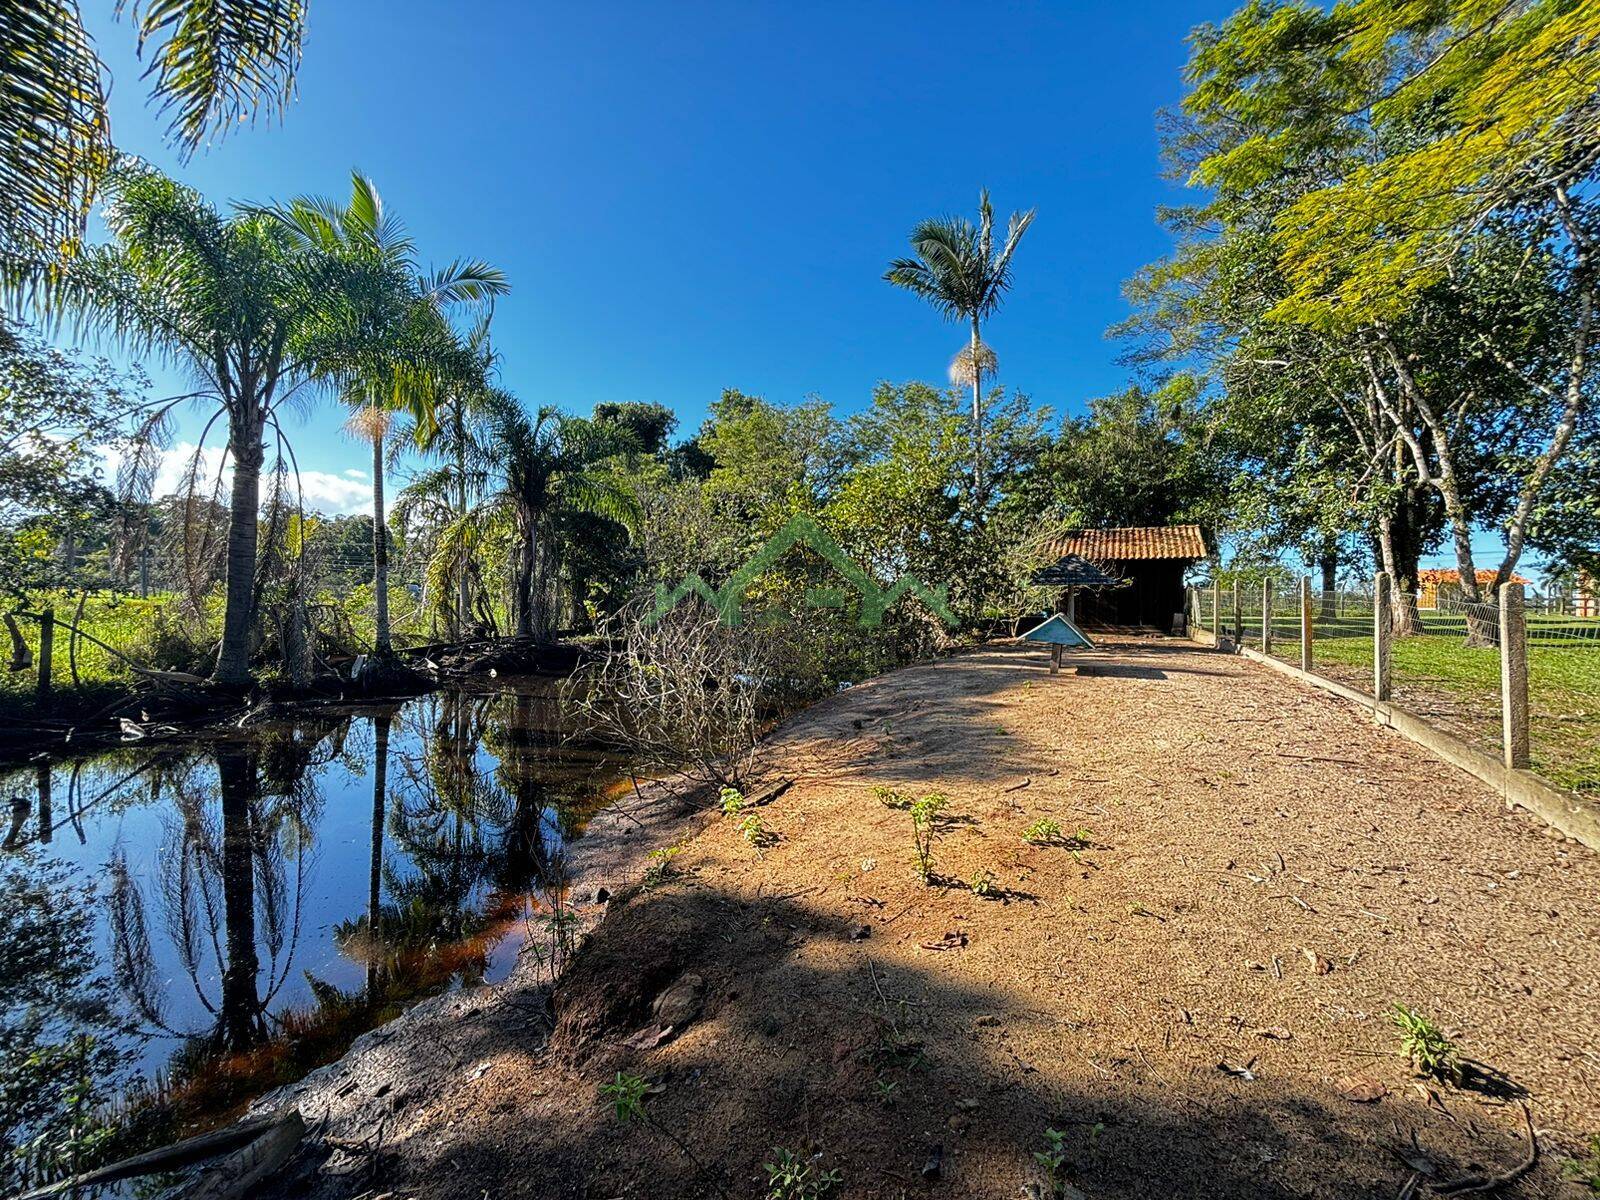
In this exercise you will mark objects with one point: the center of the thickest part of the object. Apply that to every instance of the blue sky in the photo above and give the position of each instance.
(700, 196)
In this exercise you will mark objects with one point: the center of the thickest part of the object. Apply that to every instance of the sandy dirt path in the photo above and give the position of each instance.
(1190, 985)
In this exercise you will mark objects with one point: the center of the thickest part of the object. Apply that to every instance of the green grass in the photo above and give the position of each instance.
(156, 632)
(1460, 686)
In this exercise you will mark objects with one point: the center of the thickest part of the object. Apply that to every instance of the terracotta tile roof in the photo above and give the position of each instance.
(1128, 545)
(1451, 575)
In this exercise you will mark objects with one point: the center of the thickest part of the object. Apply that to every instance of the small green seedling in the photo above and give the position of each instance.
(732, 801)
(1425, 1044)
(794, 1178)
(1043, 832)
(891, 797)
(923, 814)
(625, 1094)
(1585, 1171)
(888, 1091)
(984, 884)
(755, 832)
(1053, 1158)
(660, 868)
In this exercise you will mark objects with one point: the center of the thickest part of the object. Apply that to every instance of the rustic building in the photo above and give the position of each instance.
(1152, 559)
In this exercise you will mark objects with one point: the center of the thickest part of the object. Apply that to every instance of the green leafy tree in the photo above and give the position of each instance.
(254, 311)
(1136, 458)
(1440, 222)
(407, 353)
(213, 63)
(957, 268)
(57, 412)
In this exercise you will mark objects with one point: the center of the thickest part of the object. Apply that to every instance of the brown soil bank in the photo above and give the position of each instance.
(1194, 994)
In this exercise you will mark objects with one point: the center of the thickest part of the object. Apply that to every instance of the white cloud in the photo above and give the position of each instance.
(321, 491)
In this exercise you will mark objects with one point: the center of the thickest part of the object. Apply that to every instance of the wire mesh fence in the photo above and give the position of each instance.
(1443, 663)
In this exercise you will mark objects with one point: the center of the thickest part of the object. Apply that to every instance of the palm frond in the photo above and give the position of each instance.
(55, 137)
(215, 63)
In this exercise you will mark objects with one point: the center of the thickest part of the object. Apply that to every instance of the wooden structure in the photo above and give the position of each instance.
(1067, 575)
(1150, 560)
(1058, 633)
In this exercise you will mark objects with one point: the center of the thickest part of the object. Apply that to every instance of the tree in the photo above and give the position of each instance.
(57, 412)
(1441, 160)
(255, 313)
(213, 63)
(408, 354)
(906, 505)
(547, 464)
(958, 270)
(1136, 458)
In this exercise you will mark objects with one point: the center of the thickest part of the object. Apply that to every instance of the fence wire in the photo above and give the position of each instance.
(1444, 663)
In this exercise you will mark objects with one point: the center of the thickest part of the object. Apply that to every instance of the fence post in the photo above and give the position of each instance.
(1216, 612)
(1305, 623)
(1514, 675)
(1238, 616)
(47, 641)
(1382, 630)
(1266, 616)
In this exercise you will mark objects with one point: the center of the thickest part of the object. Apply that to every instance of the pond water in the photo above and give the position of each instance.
(187, 924)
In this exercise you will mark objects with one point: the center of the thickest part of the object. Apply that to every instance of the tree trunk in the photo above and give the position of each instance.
(977, 417)
(527, 557)
(1329, 565)
(380, 556)
(463, 600)
(239, 611)
(240, 1025)
(380, 789)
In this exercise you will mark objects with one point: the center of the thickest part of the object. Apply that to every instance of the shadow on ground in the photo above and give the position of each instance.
(800, 1038)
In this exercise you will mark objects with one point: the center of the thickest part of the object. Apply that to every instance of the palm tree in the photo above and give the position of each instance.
(547, 464)
(959, 272)
(252, 311)
(213, 62)
(414, 354)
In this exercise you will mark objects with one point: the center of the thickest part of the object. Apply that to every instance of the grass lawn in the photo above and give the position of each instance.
(1439, 678)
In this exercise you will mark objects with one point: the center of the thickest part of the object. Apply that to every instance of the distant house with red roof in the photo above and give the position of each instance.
(1435, 582)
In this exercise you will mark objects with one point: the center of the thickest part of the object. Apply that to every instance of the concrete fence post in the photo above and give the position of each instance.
(1266, 616)
(1238, 615)
(1305, 623)
(1514, 674)
(1382, 630)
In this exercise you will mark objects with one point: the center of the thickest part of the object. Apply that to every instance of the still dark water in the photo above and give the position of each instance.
(184, 925)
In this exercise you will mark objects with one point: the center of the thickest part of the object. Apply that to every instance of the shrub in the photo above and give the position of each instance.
(1042, 832)
(794, 1178)
(1425, 1044)
(924, 813)
(626, 1096)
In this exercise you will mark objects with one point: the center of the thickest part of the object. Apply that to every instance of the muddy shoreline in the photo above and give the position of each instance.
(105, 717)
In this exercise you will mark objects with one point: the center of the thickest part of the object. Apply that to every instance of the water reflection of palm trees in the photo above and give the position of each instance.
(470, 833)
(231, 885)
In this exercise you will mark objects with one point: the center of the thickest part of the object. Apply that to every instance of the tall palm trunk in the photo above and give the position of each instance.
(463, 600)
(380, 554)
(244, 513)
(977, 415)
(526, 559)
